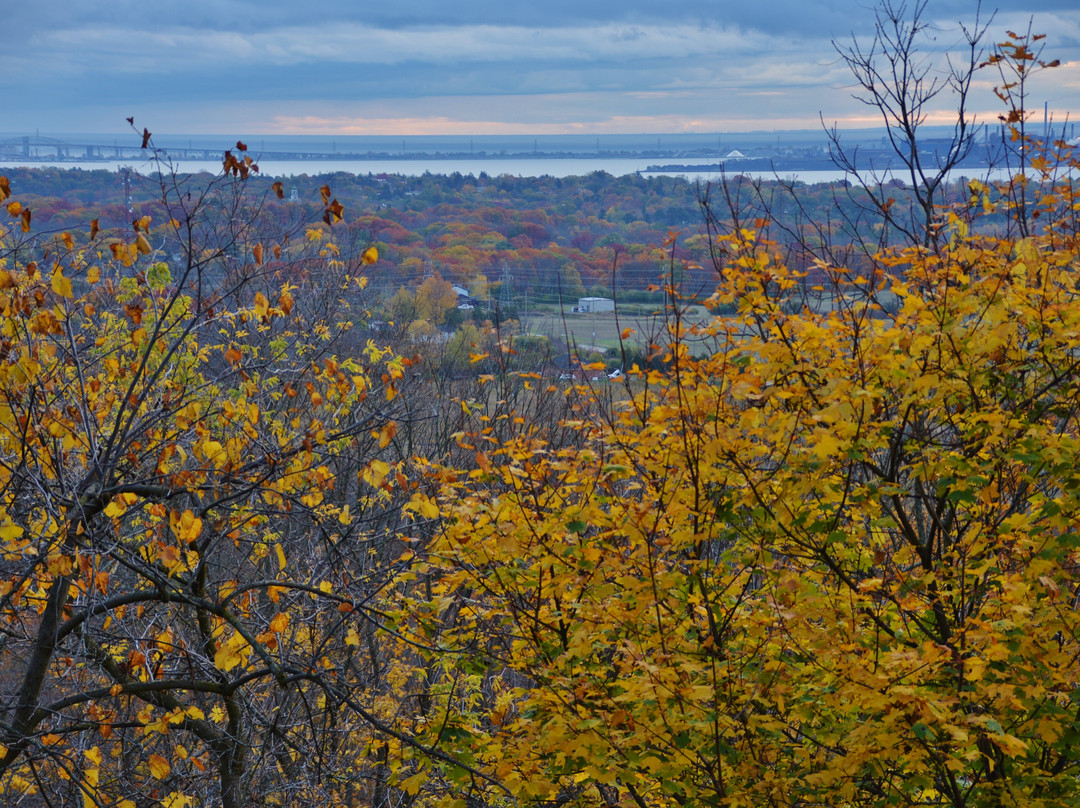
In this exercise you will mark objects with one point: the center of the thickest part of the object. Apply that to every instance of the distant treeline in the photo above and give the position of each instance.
(552, 238)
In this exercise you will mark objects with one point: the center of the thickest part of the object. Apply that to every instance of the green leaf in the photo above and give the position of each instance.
(158, 276)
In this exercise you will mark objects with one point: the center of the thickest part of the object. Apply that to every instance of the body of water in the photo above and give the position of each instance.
(492, 166)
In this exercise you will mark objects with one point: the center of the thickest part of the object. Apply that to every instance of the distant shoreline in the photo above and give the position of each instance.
(781, 166)
(210, 154)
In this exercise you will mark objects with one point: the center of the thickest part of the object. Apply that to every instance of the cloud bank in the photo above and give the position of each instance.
(230, 66)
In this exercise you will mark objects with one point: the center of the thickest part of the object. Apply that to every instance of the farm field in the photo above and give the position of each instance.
(601, 330)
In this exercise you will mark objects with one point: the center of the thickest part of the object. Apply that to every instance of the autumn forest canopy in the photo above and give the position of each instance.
(286, 519)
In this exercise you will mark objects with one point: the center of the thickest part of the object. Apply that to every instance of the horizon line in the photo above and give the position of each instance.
(38, 132)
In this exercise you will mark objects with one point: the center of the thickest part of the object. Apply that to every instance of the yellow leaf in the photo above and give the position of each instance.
(61, 285)
(214, 452)
(93, 755)
(376, 472)
(262, 305)
(826, 444)
(176, 799)
(159, 767)
(352, 638)
(90, 788)
(411, 785)
(387, 433)
(371, 255)
(1009, 744)
(428, 509)
(186, 526)
(230, 653)
(279, 623)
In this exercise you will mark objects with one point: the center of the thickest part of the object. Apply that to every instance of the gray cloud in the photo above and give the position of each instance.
(71, 66)
(182, 48)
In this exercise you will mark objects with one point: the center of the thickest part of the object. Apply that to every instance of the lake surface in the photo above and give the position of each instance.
(492, 166)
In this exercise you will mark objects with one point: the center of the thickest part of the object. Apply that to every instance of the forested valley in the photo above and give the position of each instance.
(545, 230)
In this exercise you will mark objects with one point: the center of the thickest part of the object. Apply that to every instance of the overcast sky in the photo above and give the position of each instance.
(469, 67)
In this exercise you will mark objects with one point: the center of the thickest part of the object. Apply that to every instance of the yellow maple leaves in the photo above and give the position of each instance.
(830, 522)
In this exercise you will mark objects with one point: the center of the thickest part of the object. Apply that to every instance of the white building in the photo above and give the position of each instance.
(589, 305)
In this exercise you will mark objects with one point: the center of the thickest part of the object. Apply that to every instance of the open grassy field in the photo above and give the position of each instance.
(601, 330)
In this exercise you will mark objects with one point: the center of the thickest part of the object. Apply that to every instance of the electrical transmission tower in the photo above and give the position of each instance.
(505, 296)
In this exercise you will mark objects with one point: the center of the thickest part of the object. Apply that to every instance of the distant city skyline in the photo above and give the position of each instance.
(423, 67)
